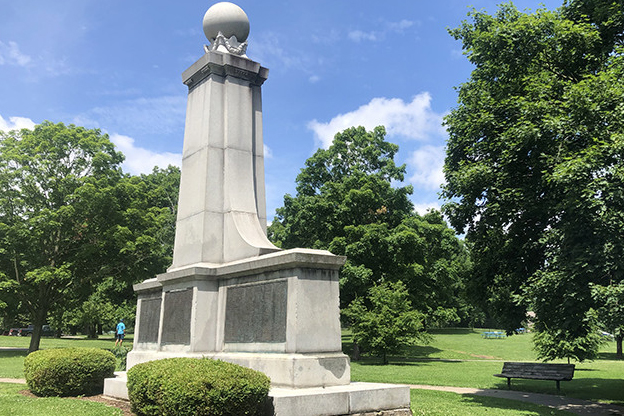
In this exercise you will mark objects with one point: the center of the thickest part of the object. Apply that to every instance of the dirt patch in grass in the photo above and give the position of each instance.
(120, 404)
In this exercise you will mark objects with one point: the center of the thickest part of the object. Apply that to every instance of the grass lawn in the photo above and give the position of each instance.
(436, 364)
(106, 342)
(455, 357)
(12, 362)
(442, 403)
(14, 404)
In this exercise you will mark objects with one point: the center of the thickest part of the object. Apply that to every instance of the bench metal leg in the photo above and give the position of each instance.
(509, 383)
(557, 385)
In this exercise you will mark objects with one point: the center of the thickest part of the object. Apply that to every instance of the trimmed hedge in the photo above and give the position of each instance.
(68, 371)
(196, 387)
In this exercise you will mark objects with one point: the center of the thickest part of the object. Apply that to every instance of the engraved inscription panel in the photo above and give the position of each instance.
(256, 313)
(177, 317)
(150, 319)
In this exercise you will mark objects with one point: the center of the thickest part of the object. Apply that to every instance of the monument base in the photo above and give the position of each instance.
(353, 399)
(277, 313)
(284, 370)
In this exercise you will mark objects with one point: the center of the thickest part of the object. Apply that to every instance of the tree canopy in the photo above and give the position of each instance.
(75, 232)
(55, 182)
(346, 203)
(534, 166)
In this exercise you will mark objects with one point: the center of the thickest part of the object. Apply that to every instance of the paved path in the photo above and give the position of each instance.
(569, 404)
(13, 380)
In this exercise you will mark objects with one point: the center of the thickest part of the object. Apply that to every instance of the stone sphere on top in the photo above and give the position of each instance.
(227, 18)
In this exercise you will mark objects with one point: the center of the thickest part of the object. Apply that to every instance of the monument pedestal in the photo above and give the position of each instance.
(277, 313)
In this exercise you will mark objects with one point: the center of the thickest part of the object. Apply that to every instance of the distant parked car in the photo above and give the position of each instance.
(28, 331)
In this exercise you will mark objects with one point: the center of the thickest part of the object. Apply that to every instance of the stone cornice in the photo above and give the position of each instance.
(224, 64)
(287, 259)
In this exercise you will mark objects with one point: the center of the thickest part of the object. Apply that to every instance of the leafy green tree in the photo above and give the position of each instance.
(610, 310)
(346, 203)
(534, 167)
(389, 324)
(141, 247)
(55, 183)
(348, 184)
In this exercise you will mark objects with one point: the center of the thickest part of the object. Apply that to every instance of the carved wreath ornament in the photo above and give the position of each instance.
(232, 45)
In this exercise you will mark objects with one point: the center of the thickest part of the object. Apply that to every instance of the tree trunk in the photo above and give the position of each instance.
(38, 321)
(99, 329)
(356, 351)
(618, 346)
(91, 331)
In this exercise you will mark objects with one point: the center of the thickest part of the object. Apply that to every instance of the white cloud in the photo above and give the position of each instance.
(16, 123)
(358, 36)
(422, 208)
(399, 27)
(140, 160)
(427, 163)
(268, 153)
(413, 120)
(378, 35)
(11, 55)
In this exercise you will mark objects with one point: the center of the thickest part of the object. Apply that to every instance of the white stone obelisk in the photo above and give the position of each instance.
(222, 213)
(230, 294)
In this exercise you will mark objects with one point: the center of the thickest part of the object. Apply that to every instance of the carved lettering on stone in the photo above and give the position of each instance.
(256, 313)
(149, 318)
(177, 317)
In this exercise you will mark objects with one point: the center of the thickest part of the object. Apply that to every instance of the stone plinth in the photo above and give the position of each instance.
(357, 399)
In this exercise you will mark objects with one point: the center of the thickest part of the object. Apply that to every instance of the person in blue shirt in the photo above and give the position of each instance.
(120, 333)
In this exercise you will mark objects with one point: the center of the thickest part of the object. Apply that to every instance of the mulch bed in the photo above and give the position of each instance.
(120, 404)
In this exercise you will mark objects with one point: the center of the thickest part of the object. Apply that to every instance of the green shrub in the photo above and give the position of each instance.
(68, 371)
(121, 354)
(195, 387)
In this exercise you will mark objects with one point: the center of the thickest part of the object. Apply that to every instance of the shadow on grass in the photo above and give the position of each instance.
(600, 389)
(454, 331)
(608, 356)
(12, 354)
(412, 355)
(410, 359)
(494, 403)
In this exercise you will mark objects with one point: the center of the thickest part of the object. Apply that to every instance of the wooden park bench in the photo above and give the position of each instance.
(537, 371)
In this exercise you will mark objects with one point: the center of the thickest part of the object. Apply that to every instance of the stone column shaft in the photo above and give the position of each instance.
(222, 208)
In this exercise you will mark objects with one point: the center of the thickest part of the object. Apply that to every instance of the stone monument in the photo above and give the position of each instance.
(230, 294)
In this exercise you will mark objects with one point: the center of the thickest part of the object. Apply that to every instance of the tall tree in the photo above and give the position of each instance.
(533, 167)
(55, 188)
(346, 203)
(140, 246)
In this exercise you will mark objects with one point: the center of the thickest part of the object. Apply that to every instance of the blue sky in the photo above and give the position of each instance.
(116, 65)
